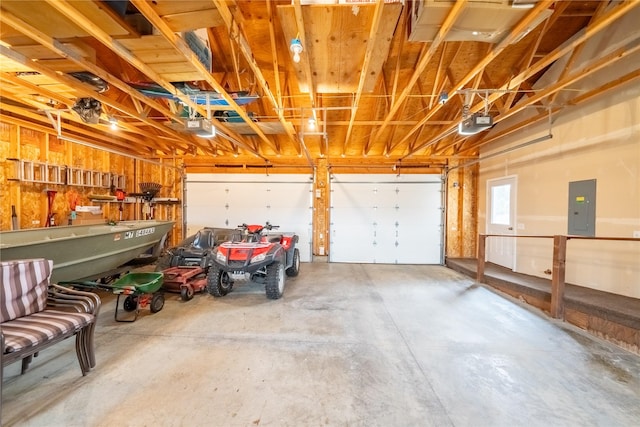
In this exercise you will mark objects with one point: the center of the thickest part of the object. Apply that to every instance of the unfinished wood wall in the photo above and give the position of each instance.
(462, 223)
(30, 199)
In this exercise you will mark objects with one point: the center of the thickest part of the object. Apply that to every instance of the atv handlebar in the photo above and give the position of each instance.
(268, 226)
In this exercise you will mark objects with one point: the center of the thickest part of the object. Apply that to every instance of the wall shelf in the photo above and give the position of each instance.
(37, 172)
(29, 171)
(129, 199)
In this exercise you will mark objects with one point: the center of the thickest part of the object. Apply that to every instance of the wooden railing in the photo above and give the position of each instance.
(559, 263)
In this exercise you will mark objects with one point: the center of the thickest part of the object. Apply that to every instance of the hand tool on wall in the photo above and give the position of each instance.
(14, 219)
(120, 195)
(51, 195)
(72, 197)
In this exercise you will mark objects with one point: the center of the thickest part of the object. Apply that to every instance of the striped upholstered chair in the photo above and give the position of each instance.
(35, 314)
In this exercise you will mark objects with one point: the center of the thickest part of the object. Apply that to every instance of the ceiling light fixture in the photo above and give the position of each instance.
(113, 122)
(296, 48)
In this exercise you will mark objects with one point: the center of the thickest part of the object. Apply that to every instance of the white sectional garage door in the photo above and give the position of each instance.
(386, 219)
(227, 200)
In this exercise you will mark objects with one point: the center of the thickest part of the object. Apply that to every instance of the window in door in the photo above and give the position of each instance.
(501, 208)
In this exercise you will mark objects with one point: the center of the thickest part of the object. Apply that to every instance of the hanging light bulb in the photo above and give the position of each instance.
(113, 123)
(296, 48)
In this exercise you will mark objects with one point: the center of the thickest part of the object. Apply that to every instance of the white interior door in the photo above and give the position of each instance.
(228, 200)
(501, 218)
(386, 219)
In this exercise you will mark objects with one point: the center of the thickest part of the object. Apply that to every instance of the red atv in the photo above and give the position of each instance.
(263, 258)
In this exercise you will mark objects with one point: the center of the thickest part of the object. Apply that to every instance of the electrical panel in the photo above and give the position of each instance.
(582, 208)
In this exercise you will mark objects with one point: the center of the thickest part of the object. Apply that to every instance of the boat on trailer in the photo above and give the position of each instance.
(86, 252)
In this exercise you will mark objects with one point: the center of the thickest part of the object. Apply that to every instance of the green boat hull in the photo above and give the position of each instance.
(84, 252)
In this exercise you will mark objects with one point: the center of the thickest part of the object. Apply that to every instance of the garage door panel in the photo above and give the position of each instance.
(385, 248)
(204, 194)
(227, 200)
(352, 195)
(354, 241)
(419, 248)
(386, 195)
(404, 214)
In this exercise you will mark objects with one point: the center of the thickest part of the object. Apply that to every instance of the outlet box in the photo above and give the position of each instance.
(636, 234)
(35, 222)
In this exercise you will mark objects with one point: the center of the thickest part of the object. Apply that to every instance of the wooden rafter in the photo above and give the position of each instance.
(438, 82)
(236, 33)
(399, 116)
(304, 60)
(81, 88)
(274, 55)
(587, 96)
(444, 29)
(515, 32)
(576, 75)
(364, 72)
(602, 6)
(181, 47)
(557, 53)
(125, 146)
(60, 49)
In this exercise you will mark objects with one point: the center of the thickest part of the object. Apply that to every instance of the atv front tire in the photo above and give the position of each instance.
(274, 286)
(218, 282)
(295, 267)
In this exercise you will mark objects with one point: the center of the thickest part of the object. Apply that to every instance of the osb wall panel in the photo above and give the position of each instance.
(469, 212)
(7, 188)
(321, 218)
(57, 147)
(168, 173)
(31, 200)
(454, 226)
(82, 156)
(57, 151)
(461, 206)
(119, 164)
(6, 132)
(31, 138)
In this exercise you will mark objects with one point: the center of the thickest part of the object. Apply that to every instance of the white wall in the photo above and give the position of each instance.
(598, 141)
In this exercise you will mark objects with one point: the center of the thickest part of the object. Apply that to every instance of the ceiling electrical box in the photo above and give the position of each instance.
(582, 208)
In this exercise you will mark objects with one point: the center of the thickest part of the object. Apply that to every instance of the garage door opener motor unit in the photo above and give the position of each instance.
(200, 127)
(475, 123)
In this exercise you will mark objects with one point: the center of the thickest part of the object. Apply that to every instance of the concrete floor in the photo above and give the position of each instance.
(348, 345)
